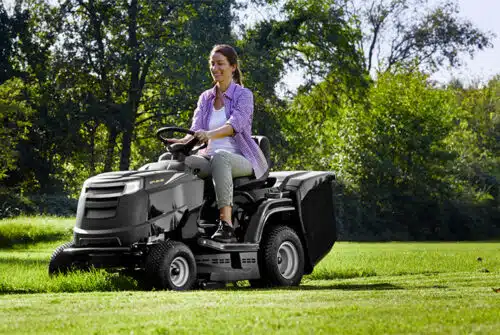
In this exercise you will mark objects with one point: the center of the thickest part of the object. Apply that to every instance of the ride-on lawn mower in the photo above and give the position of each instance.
(156, 222)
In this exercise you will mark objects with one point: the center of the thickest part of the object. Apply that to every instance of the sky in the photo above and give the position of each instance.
(485, 64)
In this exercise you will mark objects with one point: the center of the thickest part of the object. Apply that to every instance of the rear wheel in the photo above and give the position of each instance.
(60, 262)
(282, 258)
(171, 265)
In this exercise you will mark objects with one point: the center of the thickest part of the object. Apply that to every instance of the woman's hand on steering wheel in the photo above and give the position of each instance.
(173, 140)
(189, 144)
(202, 136)
(176, 140)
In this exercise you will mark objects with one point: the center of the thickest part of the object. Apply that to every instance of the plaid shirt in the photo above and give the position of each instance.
(238, 103)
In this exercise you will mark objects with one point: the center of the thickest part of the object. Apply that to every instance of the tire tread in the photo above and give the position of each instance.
(270, 275)
(58, 263)
(155, 261)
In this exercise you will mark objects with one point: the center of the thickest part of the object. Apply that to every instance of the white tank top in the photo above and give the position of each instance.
(217, 120)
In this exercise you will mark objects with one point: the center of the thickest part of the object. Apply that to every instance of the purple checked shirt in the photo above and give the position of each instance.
(238, 103)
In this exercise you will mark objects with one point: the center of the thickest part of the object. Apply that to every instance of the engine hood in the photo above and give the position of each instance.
(150, 179)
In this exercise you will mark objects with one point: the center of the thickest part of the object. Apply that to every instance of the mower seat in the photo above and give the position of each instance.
(245, 183)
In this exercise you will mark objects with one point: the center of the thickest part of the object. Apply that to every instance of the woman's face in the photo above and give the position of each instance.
(221, 70)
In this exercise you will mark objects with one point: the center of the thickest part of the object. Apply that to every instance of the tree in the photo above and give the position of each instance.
(405, 31)
(33, 35)
(136, 47)
(477, 140)
(316, 37)
(15, 115)
(5, 45)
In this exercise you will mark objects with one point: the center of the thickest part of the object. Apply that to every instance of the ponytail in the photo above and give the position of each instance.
(237, 77)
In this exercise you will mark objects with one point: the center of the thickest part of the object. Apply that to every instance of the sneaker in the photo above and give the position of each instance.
(224, 233)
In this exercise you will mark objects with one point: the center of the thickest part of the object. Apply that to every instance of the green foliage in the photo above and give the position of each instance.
(396, 141)
(13, 204)
(6, 70)
(405, 154)
(15, 115)
(317, 37)
(476, 139)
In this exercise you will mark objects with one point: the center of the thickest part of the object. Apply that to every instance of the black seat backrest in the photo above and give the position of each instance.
(265, 146)
(245, 183)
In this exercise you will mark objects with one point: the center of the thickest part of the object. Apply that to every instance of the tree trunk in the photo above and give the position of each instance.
(92, 131)
(134, 87)
(127, 137)
(110, 147)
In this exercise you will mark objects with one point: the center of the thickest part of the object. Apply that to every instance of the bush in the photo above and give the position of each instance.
(413, 219)
(13, 204)
(55, 204)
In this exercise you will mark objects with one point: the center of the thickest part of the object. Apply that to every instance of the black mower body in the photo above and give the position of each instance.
(110, 212)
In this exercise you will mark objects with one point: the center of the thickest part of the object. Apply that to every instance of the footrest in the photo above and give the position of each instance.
(206, 224)
(205, 242)
(206, 228)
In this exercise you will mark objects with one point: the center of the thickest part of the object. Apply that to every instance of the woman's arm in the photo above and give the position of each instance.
(223, 131)
(198, 114)
(242, 112)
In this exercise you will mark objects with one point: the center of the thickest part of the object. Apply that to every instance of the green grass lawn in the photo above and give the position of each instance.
(359, 288)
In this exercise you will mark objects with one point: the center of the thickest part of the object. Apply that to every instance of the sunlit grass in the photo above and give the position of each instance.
(402, 258)
(27, 230)
(453, 303)
(23, 265)
(358, 288)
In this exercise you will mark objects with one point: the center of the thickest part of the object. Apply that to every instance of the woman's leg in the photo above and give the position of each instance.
(198, 165)
(225, 166)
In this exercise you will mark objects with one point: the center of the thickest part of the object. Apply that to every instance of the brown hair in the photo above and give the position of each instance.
(232, 57)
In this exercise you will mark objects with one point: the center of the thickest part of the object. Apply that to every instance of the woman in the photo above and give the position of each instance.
(223, 119)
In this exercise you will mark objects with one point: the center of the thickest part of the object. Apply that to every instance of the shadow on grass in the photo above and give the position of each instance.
(353, 287)
(344, 287)
(326, 274)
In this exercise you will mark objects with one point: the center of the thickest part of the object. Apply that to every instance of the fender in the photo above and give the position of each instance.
(264, 211)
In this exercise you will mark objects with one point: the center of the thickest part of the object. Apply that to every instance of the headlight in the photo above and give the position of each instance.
(132, 186)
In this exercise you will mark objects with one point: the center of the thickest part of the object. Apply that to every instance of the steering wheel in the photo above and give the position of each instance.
(189, 148)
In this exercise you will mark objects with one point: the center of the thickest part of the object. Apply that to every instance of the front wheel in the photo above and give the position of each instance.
(171, 265)
(282, 258)
(60, 262)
